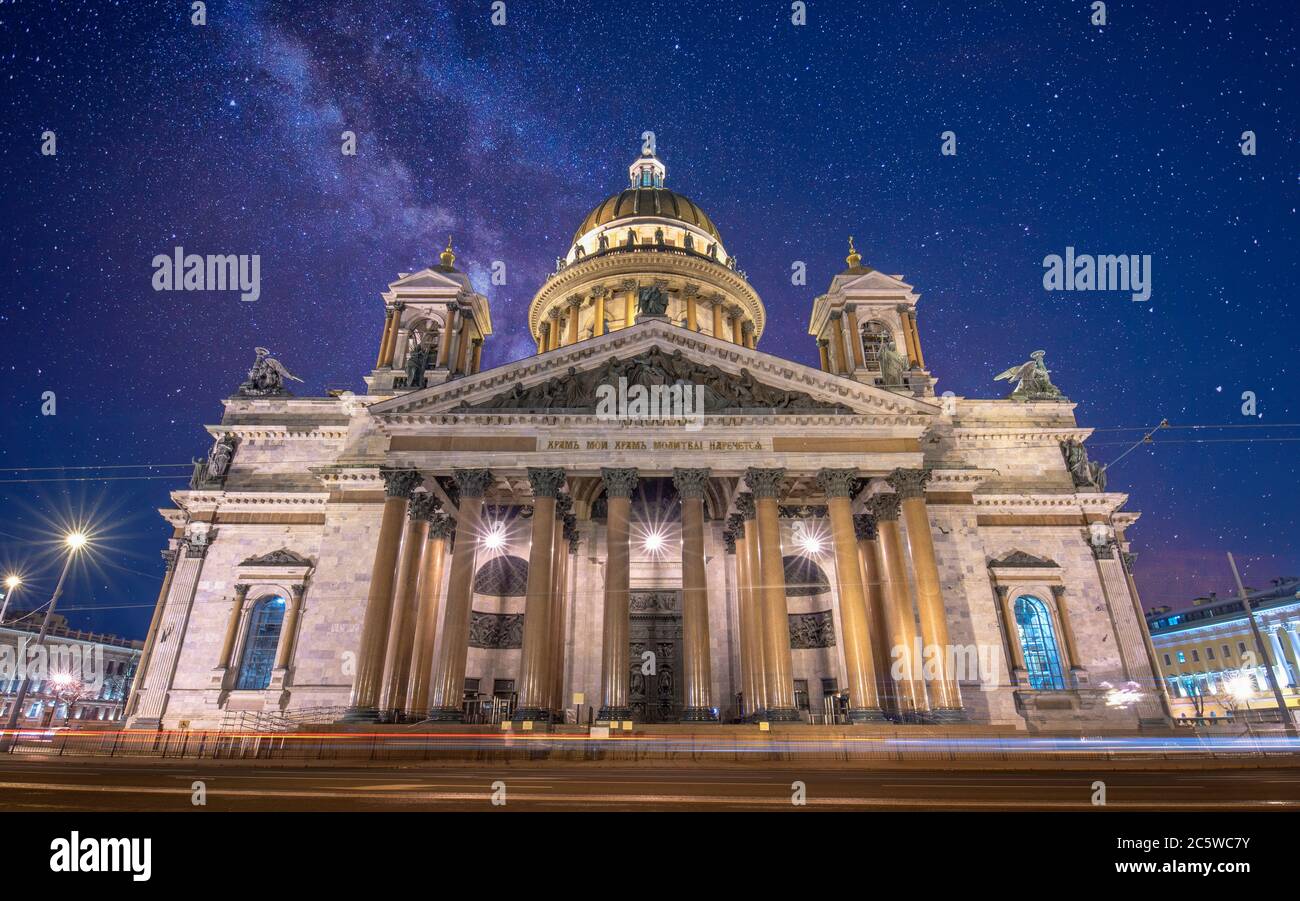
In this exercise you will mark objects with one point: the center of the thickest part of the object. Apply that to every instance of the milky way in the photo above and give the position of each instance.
(226, 138)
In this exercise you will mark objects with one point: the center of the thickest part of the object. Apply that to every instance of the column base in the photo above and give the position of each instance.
(533, 714)
(699, 715)
(361, 715)
(946, 715)
(782, 715)
(867, 715)
(446, 715)
(609, 714)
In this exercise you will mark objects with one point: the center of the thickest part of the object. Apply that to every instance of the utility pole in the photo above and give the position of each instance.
(74, 542)
(1287, 720)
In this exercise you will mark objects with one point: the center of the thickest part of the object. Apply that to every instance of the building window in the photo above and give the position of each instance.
(259, 647)
(1196, 656)
(1167, 661)
(1227, 651)
(1241, 647)
(1038, 641)
(874, 336)
(1182, 658)
(1209, 653)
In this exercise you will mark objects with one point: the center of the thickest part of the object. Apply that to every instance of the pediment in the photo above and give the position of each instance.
(281, 557)
(868, 281)
(735, 378)
(431, 279)
(1022, 560)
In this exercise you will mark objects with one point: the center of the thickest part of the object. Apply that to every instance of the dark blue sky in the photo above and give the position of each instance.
(225, 139)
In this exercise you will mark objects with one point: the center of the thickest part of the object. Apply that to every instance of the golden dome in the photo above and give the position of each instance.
(647, 202)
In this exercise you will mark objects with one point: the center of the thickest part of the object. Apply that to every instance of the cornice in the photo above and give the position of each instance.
(1040, 502)
(281, 432)
(991, 437)
(779, 424)
(614, 265)
(250, 500)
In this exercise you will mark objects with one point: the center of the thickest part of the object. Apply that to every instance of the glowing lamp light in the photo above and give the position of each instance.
(12, 582)
(495, 539)
(811, 545)
(654, 542)
(75, 541)
(1240, 688)
(1124, 696)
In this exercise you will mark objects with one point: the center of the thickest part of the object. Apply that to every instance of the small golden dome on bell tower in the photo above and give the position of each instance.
(854, 259)
(447, 256)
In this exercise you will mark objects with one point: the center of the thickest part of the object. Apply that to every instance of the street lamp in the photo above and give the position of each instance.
(12, 583)
(1241, 689)
(74, 541)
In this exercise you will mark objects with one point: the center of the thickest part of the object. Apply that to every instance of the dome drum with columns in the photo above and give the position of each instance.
(826, 546)
(645, 236)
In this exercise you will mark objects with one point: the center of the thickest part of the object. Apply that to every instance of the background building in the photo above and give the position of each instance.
(1208, 659)
(87, 680)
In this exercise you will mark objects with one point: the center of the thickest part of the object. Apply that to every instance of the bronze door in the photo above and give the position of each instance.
(654, 690)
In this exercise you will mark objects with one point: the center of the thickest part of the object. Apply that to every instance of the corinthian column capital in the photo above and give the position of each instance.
(546, 482)
(864, 527)
(690, 482)
(472, 482)
(441, 526)
(400, 482)
(837, 482)
(423, 506)
(885, 507)
(564, 508)
(618, 482)
(745, 506)
(765, 482)
(736, 525)
(909, 482)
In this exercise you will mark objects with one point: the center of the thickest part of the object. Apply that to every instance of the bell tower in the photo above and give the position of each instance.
(865, 328)
(435, 325)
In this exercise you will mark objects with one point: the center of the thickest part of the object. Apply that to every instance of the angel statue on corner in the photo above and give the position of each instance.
(1033, 381)
(267, 377)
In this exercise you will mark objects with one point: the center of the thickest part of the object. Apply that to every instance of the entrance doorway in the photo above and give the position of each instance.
(655, 628)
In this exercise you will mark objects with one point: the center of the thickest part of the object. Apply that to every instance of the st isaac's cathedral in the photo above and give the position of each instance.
(650, 520)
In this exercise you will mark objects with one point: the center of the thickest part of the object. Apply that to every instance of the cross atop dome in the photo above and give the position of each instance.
(646, 171)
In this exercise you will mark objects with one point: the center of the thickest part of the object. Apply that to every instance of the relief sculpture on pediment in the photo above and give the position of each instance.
(577, 391)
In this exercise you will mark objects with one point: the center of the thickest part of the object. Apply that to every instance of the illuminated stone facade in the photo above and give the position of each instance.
(467, 542)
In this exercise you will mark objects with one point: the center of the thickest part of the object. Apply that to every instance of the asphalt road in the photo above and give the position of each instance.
(117, 785)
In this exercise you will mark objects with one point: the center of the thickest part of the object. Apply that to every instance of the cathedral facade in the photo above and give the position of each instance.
(650, 519)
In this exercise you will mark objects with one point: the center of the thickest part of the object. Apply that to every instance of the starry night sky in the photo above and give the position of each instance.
(226, 139)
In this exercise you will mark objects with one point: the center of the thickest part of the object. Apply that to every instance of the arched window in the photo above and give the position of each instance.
(1038, 640)
(260, 644)
(874, 336)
